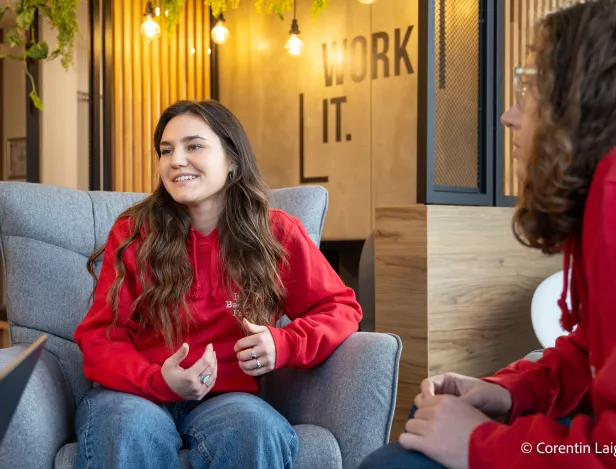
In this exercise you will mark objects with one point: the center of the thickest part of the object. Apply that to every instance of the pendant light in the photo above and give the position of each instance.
(294, 43)
(220, 33)
(150, 28)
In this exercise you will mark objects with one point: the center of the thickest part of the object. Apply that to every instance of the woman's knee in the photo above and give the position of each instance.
(252, 430)
(119, 415)
(261, 422)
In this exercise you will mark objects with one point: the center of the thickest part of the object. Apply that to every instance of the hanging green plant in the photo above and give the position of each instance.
(62, 16)
(173, 8)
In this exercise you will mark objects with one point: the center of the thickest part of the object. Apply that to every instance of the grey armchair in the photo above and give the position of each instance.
(342, 410)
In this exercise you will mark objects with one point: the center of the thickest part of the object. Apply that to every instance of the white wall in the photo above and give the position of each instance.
(64, 160)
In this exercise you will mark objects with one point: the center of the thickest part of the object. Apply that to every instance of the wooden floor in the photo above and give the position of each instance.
(456, 286)
(4, 334)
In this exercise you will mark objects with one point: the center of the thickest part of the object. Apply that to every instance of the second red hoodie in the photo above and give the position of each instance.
(324, 312)
(581, 364)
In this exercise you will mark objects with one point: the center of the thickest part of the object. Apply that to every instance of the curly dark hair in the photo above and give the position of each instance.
(575, 89)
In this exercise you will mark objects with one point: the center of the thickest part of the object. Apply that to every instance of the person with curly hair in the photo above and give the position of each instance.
(193, 280)
(565, 145)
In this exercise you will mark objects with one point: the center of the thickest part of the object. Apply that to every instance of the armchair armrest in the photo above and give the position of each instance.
(43, 421)
(352, 394)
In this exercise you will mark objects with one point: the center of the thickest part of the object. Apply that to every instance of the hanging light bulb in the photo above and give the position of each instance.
(150, 28)
(220, 33)
(366, 2)
(294, 43)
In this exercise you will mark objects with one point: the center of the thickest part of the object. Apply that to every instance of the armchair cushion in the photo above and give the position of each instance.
(43, 421)
(352, 394)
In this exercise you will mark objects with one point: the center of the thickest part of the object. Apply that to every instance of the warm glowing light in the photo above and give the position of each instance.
(166, 12)
(157, 11)
(294, 45)
(366, 2)
(220, 33)
(150, 29)
(192, 51)
(209, 51)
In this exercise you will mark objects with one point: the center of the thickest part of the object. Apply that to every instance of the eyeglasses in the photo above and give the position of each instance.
(521, 84)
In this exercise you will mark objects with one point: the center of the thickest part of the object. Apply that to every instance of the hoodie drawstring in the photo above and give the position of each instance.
(197, 290)
(570, 316)
(213, 259)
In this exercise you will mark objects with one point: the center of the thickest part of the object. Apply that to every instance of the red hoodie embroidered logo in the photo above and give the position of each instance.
(233, 304)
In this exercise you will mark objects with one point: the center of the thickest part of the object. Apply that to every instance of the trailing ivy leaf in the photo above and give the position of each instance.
(24, 20)
(3, 11)
(279, 11)
(38, 51)
(36, 100)
(46, 11)
(55, 54)
(13, 40)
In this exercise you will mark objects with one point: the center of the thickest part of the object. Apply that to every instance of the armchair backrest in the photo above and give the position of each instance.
(48, 232)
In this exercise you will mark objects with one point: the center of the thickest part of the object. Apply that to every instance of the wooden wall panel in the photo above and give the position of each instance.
(521, 17)
(148, 77)
(352, 61)
(456, 286)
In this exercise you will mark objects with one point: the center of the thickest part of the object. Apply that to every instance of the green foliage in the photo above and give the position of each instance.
(173, 9)
(221, 6)
(61, 15)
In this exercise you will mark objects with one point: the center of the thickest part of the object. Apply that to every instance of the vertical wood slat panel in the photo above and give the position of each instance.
(508, 93)
(519, 33)
(146, 114)
(137, 154)
(182, 62)
(156, 73)
(163, 70)
(127, 132)
(205, 21)
(148, 77)
(190, 48)
(119, 98)
(200, 52)
(173, 67)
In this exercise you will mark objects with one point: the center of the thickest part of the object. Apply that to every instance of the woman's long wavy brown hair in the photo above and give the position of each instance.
(575, 88)
(250, 255)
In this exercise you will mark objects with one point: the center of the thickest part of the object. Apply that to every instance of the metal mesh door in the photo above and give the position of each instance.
(457, 100)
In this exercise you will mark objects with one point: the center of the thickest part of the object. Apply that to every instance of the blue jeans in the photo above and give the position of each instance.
(394, 456)
(231, 430)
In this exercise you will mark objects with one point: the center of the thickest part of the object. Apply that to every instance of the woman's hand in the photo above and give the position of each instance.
(442, 428)
(256, 354)
(490, 398)
(195, 382)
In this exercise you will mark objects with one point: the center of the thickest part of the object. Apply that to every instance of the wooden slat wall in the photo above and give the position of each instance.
(520, 19)
(148, 77)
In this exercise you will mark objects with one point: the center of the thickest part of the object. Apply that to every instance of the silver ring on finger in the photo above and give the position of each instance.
(258, 363)
(205, 378)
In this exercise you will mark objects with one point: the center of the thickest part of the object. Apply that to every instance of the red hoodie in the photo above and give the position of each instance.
(323, 311)
(579, 363)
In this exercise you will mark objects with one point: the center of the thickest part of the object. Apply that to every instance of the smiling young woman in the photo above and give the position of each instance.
(193, 280)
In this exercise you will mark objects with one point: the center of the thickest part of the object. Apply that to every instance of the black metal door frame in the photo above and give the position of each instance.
(490, 74)
(100, 55)
(502, 200)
